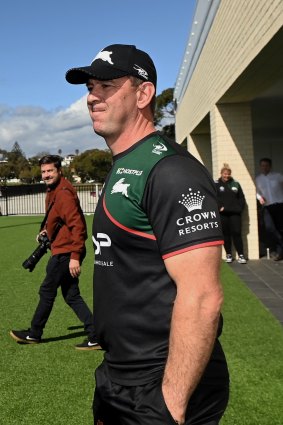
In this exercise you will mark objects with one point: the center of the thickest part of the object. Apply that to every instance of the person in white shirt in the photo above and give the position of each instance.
(269, 186)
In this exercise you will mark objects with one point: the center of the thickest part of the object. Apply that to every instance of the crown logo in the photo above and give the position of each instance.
(192, 201)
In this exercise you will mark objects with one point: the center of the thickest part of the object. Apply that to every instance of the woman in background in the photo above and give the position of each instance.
(231, 202)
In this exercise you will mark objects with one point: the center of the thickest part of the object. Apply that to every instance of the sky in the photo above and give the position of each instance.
(41, 40)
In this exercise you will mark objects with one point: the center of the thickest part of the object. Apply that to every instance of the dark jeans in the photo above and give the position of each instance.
(58, 274)
(273, 222)
(145, 405)
(232, 228)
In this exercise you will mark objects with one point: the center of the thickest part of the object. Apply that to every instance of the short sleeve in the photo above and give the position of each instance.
(180, 201)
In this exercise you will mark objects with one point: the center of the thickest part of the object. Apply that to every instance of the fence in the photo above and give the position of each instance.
(29, 199)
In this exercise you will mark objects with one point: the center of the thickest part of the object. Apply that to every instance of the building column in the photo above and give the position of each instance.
(199, 145)
(232, 143)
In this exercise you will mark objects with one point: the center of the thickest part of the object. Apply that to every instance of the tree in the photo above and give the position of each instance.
(36, 173)
(41, 154)
(33, 161)
(165, 113)
(3, 153)
(16, 149)
(6, 171)
(16, 161)
(93, 164)
(68, 173)
(16, 153)
(34, 168)
(102, 163)
(26, 175)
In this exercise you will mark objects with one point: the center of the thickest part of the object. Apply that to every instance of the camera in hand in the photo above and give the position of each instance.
(33, 259)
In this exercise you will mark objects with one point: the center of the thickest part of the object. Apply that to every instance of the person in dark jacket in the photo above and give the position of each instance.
(231, 202)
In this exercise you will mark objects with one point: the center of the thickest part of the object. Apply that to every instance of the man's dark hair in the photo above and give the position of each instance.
(268, 160)
(51, 159)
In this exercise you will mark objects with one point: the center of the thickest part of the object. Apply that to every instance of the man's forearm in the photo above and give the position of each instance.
(192, 337)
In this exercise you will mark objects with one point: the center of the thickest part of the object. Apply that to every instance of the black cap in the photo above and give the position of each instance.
(115, 61)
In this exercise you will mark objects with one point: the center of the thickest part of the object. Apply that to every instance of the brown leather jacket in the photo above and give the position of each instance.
(66, 208)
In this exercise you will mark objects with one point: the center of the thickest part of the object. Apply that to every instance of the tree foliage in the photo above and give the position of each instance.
(92, 164)
(164, 116)
(16, 163)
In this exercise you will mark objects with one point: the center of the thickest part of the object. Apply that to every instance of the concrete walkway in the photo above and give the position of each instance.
(265, 278)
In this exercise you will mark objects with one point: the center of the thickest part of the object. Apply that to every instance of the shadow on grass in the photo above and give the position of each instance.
(56, 338)
(72, 328)
(63, 337)
(20, 225)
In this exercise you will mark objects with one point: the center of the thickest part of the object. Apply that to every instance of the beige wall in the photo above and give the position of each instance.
(200, 146)
(240, 30)
(231, 140)
(223, 85)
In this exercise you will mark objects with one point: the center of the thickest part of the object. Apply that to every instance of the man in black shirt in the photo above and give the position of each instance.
(157, 241)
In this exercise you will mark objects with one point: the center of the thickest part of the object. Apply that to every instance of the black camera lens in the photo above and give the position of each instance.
(37, 254)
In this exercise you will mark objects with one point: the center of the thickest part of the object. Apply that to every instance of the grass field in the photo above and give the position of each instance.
(52, 383)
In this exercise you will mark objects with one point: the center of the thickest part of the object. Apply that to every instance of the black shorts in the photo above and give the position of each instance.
(114, 404)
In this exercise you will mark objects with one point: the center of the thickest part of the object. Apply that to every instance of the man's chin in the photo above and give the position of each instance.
(52, 183)
(99, 132)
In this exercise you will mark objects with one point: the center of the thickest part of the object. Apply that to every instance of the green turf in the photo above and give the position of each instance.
(253, 343)
(49, 383)
(52, 383)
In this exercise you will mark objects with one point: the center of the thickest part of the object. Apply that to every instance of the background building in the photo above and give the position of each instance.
(229, 93)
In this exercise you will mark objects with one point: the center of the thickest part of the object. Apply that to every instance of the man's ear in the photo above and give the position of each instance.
(145, 93)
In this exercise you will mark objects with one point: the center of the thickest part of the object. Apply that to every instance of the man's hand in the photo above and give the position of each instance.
(75, 268)
(43, 232)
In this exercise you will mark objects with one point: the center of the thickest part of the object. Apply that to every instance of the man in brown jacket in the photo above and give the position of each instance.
(68, 251)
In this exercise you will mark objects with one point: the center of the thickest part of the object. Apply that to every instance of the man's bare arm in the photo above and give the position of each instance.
(194, 323)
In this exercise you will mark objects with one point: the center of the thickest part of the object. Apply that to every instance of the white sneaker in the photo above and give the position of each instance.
(229, 258)
(241, 259)
(88, 345)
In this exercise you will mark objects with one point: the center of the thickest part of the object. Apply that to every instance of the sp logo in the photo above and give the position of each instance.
(101, 240)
